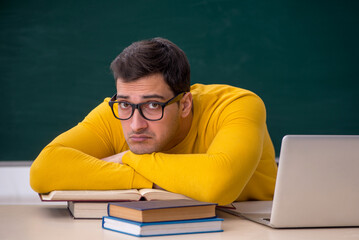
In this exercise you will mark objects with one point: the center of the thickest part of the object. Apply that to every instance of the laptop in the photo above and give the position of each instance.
(317, 185)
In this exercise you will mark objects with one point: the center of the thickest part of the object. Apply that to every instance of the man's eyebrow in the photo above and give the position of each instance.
(153, 96)
(144, 97)
(122, 96)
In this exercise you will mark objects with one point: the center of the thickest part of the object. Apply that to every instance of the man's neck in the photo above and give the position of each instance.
(186, 126)
(183, 130)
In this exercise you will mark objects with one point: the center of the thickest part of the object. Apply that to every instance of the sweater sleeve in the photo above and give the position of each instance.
(72, 160)
(220, 174)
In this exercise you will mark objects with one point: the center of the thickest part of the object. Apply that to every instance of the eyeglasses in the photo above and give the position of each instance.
(152, 111)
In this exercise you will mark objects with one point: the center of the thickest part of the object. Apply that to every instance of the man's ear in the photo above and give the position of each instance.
(186, 104)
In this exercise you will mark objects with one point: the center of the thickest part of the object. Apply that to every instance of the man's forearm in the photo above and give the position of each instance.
(203, 177)
(65, 168)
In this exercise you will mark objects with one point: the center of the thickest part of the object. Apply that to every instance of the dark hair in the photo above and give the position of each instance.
(157, 55)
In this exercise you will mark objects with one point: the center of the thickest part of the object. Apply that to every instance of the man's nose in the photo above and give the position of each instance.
(138, 123)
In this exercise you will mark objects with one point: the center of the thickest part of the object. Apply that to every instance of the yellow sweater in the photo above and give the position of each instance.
(226, 156)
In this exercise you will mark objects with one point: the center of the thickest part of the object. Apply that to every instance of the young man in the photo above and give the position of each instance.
(208, 142)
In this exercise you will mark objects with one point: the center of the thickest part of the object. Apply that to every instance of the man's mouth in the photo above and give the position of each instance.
(139, 138)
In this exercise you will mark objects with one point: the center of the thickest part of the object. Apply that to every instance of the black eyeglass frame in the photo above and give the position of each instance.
(176, 98)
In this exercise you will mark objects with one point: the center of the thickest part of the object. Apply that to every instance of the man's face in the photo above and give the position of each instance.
(144, 136)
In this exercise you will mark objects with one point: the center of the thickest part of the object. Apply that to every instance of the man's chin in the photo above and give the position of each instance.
(141, 150)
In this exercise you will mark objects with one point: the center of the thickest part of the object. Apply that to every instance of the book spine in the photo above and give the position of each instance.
(108, 209)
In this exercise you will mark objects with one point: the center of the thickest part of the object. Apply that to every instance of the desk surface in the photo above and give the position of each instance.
(54, 222)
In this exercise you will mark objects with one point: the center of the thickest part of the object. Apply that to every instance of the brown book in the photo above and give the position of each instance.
(156, 211)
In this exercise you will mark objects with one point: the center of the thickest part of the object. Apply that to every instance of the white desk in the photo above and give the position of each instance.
(54, 222)
(24, 216)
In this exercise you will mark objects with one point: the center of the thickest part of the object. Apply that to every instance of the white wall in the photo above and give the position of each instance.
(15, 186)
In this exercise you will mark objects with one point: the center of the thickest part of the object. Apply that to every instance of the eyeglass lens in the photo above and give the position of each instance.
(125, 110)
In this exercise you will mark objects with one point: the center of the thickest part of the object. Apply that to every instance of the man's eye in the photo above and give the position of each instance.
(124, 105)
(153, 106)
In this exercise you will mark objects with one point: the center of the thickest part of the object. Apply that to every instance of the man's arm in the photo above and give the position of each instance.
(220, 174)
(73, 160)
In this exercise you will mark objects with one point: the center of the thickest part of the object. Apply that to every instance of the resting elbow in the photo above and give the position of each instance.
(35, 179)
(40, 173)
(221, 189)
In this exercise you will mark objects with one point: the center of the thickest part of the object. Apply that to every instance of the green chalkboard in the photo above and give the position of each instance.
(301, 57)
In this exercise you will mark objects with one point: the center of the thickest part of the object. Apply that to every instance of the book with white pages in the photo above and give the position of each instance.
(93, 203)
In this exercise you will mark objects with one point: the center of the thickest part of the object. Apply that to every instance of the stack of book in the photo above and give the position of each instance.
(93, 204)
(156, 218)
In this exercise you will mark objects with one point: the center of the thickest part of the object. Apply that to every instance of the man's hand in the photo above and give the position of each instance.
(117, 158)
